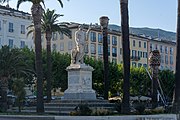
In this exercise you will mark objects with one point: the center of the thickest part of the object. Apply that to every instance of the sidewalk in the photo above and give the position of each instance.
(125, 117)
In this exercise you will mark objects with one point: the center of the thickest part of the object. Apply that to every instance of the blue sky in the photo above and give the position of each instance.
(142, 13)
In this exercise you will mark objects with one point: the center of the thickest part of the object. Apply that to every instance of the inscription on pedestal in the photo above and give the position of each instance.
(73, 79)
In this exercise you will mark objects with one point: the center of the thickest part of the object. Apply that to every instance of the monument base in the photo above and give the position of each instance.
(80, 83)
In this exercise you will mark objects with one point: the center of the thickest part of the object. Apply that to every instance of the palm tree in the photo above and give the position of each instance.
(37, 11)
(11, 65)
(126, 54)
(176, 99)
(50, 25)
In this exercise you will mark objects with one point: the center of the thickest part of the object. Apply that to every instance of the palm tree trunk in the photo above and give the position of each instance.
(106, 66)
(49, 65)
(37, 14)
(126, 54)
(176, 99)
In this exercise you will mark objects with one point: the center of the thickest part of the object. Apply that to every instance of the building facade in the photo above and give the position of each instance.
(13, 24)
(167, 51)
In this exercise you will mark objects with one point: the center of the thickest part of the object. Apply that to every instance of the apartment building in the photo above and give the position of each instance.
(167, 51)
(13, 24)
(139, 51)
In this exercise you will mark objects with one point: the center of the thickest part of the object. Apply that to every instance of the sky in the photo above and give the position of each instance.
(142, 13)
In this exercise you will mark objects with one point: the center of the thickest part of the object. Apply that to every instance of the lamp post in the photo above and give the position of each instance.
(104, 27)
(154, 60)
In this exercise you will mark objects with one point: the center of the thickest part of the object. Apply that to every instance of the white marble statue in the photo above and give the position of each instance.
(81, 37)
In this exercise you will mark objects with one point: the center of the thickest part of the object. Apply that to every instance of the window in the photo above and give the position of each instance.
(11, 43)
(134, 43)
(54, 36)
(99, 38)
(144, 44)
(22, 29)
(22, 44)
(70, 45)
(139, 53)
(171, 60)
(162, 58)
(139, 43)
(11, 27)
(93, 36)
(114, 51)
(144, 54)
(151, 47)
(61, 36)
(171, 50)
(161, 49)
(166, 49)
(61, 46)
(166, 59)
(93, 48)
(114, 40)
(156, 47)
(134, 53)
(108, 39)
(54, 47)
(100, 49)
(139, 64)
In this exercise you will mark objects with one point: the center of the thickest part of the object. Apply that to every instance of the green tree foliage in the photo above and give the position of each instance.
(59, 64)
(139, 81)
(19, 91)
(167, 81)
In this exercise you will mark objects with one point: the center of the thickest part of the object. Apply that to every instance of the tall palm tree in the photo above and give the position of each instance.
(126, 54)
(37, 11)
(176, 99)
(50, 25)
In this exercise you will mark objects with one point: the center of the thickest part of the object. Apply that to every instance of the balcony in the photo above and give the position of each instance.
(135, 58)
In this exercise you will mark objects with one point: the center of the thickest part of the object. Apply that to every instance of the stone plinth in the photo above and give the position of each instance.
(79, 83)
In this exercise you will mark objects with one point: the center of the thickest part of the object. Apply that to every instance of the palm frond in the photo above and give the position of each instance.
(60, 3)
(21, 1)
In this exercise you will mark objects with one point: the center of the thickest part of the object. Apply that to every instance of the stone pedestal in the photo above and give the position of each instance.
(79, 83)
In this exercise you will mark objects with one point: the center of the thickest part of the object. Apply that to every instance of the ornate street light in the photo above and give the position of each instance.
(104, 27)
(154, 62)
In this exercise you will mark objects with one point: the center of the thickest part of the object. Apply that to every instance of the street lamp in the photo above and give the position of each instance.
(104, 27)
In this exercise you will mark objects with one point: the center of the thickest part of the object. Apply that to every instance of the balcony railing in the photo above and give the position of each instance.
(135, 58)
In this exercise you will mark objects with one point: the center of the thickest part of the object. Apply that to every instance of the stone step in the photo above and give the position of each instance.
(79, 101)
(76, 104)
(64, 107)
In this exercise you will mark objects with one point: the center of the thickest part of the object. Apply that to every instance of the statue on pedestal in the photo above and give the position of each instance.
(81, 37)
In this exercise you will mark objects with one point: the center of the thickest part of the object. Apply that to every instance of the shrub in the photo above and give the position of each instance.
(100, 112)
(82, 109)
